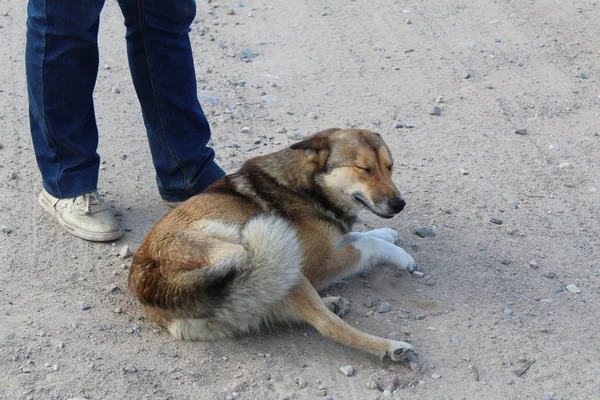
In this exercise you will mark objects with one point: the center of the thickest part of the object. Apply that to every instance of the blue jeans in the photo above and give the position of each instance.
(62, 64)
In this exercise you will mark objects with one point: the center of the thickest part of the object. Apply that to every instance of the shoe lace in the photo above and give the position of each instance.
(90, 200)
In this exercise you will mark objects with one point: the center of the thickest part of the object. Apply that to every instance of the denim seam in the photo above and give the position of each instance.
(150, 62)
(43, 105)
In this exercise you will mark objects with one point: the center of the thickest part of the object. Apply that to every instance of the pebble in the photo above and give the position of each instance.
(418, 274)
(435, 111)
(130, 369)
(212, 100)
(496, 220)
(130, 330)
(372, 301)
(464, 172)
(282, 130)
(384, 307)
(12, 175)
(85, 307)
(455, 340)
(312, 115)
(398, 125)
(551, 275)
(435, 376)
(573, 289)
(60, 345)
(302, 383)
(533, 264)
(118, 310)
(245, 129)
(424, 231)
(439, 99)
(115, 90)
(467, 76)
(387, 394)
(249, 54)
(387, 381)
(230, 12)
(548, 397)
(508, 311)
(372, 385)
(506, 261)
(125, 252)
(26, 370)
(113, 288)
(546, 300)
(6, 230)
(322, 390)
(521, 131)
(347, 370)
(409, 126)
(583, 75)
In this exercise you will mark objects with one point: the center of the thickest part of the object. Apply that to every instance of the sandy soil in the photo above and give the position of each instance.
(474, 321)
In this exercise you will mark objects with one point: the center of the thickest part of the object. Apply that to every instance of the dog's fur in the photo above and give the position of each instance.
(254, 247)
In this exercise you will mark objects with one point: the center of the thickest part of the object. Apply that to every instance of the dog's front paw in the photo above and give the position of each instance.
(399, 351)
(404, 261)
(337, 305)
(387, 234)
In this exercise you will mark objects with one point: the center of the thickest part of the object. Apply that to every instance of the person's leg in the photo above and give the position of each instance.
(61, 62)
(61, 59)
(162, 67)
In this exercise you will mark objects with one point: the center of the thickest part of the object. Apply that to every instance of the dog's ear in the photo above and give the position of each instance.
(314, 143)
(317, 142)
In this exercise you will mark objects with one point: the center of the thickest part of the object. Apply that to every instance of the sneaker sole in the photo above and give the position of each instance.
(92, 237)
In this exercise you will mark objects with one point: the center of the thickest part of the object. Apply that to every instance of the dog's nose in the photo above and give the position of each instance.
(396, 204)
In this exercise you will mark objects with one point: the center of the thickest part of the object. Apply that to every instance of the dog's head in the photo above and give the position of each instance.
(354, 170)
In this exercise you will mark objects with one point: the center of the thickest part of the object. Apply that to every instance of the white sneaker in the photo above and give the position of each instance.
(85, 216)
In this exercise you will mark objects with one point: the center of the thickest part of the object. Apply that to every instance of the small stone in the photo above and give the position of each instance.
(546, 300)
(533, 264)
(6, 230)
(387, 394)
(125, 252)
(248, 54)
(455, 340)
(435, 376)
(113, 288)
(467, 76)
(398, 125)
(106, 66)
(118, 310)
(347, 370)
(496, 220)
(564, 165)
(508, 311)
(435, 111)
(302, 383)
(372, 301)
(424, 231)
(384, 307)
(583, 75)
(573, 289)
(85, 307)
(230, 12)
(409, 126)
(506, 261)
(322, 391)
(130, 369)
(115, 90)
(372, 385)
(60, 345)
(417, 274)
(12, 175)
(408, 21)
(26, 370)
(551, 275)
(282, 130)
(521, 131)
(439, 99)
(387, 381)
(464, 172)
(312, 115)
(510, 382)
(245, 129)
(548, 397)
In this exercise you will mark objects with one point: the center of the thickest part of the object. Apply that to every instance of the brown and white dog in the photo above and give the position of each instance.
(254, 248)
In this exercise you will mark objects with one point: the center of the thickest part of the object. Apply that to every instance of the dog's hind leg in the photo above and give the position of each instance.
(308, 306)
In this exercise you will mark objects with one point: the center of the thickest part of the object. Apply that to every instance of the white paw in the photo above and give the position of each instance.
(404, 261)
(387, 234)
(398, 351)
(337, 305)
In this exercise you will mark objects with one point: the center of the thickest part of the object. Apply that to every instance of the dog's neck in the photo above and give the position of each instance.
(288, 174)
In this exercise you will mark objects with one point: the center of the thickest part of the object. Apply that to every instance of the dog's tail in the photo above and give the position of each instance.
(236, 290)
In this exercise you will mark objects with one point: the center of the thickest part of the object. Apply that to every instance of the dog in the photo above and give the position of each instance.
(254, 247)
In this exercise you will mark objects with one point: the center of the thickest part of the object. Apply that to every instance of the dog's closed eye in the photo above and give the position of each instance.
(362, 168)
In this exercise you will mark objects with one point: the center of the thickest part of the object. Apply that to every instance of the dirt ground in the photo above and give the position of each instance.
(494, 298)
